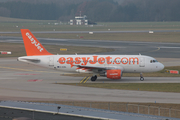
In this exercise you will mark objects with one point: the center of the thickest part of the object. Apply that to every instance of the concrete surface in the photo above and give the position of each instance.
(20, 81)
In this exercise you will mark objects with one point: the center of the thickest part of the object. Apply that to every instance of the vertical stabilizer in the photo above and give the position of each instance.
(32, 45)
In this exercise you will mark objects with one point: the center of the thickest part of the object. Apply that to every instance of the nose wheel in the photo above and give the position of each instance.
(141, 77)
(94, 78)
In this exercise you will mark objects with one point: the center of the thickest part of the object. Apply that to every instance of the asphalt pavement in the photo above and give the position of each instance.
(154, 49)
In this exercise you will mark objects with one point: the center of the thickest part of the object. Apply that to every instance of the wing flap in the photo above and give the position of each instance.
(95, 67)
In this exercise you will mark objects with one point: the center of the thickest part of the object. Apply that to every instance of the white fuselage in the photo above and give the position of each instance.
(70, 63)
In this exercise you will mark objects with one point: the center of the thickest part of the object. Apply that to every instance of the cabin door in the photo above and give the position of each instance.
(142, 62)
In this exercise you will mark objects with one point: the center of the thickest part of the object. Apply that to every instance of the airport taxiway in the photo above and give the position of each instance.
(21, 81)
(154, 49)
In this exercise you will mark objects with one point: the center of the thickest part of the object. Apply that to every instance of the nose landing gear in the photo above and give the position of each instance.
(141, 77)
(93, 78)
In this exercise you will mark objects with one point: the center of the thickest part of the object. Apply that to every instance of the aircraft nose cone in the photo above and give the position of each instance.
(161, 66)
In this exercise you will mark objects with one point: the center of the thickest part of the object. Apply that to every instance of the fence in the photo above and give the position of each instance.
(132, 108)
(7, 114)
(18, 114)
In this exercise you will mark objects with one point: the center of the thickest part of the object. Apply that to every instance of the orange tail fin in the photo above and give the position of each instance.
(32, 45)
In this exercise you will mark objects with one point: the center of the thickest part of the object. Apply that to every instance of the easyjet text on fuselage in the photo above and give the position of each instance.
(96, 59)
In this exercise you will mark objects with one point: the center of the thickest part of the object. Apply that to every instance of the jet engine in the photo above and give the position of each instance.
(112, 74)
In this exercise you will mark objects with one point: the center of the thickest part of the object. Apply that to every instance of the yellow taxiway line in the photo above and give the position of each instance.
(84, 80)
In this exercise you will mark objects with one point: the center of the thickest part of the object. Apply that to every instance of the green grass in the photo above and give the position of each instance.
(156, 87)
(9, 24)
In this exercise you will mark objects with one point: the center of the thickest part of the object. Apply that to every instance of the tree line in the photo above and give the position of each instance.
(96, 10)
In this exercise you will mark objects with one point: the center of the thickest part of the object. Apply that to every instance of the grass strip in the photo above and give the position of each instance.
(87, 103)
(156, 87)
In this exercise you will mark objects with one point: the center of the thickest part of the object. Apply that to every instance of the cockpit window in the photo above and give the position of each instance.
(153, 61)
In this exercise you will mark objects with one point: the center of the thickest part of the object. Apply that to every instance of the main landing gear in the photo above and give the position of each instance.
(141, 77)
(93, 78)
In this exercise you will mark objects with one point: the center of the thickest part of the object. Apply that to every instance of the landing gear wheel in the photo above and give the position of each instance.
(93, 78)
(141, 79)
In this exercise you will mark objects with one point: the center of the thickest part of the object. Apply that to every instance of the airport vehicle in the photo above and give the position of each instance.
(110, 66)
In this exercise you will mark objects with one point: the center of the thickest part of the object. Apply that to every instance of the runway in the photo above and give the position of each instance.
(158, 50)
(20, 81)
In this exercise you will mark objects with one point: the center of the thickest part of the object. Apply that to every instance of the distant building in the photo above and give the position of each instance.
(79, 20)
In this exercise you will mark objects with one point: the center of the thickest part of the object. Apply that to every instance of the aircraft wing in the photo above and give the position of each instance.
(111, 72)
(31, 60)
(95, 67)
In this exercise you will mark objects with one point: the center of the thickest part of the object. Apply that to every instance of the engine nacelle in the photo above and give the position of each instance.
(114, 74)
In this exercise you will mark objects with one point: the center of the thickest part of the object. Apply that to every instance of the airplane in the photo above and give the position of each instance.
(110, 66)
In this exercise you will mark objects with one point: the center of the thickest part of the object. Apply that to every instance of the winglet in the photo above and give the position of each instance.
(32, 45)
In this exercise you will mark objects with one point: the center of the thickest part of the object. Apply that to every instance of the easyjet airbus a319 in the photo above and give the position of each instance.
(110, 66)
